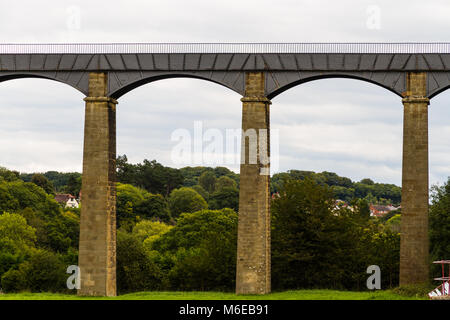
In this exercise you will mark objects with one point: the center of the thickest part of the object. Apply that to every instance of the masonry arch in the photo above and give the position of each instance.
(75, 80)
(439, 91)
(122, 83)
(393, 84)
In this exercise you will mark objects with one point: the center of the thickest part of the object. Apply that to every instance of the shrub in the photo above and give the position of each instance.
(135, 270)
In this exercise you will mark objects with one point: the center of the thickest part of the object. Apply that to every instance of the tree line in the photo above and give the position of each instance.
(177, 230)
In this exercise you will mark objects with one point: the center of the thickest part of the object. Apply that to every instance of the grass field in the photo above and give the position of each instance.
(174, 295)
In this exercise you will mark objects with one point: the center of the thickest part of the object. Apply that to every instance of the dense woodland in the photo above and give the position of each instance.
(177, 229)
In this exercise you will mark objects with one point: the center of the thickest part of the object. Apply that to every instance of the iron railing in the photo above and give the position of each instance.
(124, 48)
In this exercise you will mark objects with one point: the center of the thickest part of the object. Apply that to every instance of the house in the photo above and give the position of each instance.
(380, 210)
(66, 200)
(342, 204)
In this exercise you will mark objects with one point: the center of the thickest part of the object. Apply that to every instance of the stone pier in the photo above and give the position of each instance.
(253, 255)
(414, 263)
(97, 251)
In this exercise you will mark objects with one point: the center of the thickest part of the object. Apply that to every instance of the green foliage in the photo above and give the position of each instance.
(367, 181)
(153, 206)
(225, 182)
(134, 204)
(16, 240)
(168, 240)
(148, 231)
(362, 208)
(73, 185)
(60, 180)
(225, 197)
(393, 223)
(43, 272)
(192, 174)
(316, 245)
(390, 214)
(128, 198)
(185, 200)
(201, 250)
(15, 230)
(343, 188)
(41, 181)
(7, 175)
(150, 175)
(208, 181)
(439, 221)
(201, 191)
(13, 281)
(18, 195)
(63, 232)
(135, 271)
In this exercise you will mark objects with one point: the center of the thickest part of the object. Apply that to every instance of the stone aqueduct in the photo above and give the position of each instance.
(104, 72)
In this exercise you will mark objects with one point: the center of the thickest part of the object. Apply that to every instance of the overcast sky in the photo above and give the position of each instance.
(346, 126)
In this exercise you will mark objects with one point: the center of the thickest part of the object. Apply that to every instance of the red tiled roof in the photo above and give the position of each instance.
(63, 197)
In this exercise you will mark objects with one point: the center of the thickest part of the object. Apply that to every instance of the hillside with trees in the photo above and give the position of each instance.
(177, 229)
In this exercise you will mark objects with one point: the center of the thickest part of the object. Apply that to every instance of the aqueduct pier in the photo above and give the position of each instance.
(258, 71)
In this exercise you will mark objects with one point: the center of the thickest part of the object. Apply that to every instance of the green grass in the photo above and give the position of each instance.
(178, 295)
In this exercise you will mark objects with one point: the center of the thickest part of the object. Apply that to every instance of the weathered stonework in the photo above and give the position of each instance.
(97, 251)
(414, 263)
(253, 255)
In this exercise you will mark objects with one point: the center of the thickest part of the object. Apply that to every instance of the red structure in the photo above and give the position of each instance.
(443, 290)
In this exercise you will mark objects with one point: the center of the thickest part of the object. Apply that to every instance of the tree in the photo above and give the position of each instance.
(148, 231)
(126, 172)
(394, 223)
(73, 186)
(43, 272)
(128, 198)
(225, 182)
(362, 208)
(29, 195)
(7, 201)
(201, 191)
(439, 222)
(208, 181)
(226, 197)
(41, 181)
(155, 178)
(185, 200)
(8, 175)
(367, 181)
(315, 245)
(153, 206)
(149, 175)
(201, 250)
(14, 229)
(135, 270)
(16, 240)
(300, 222)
